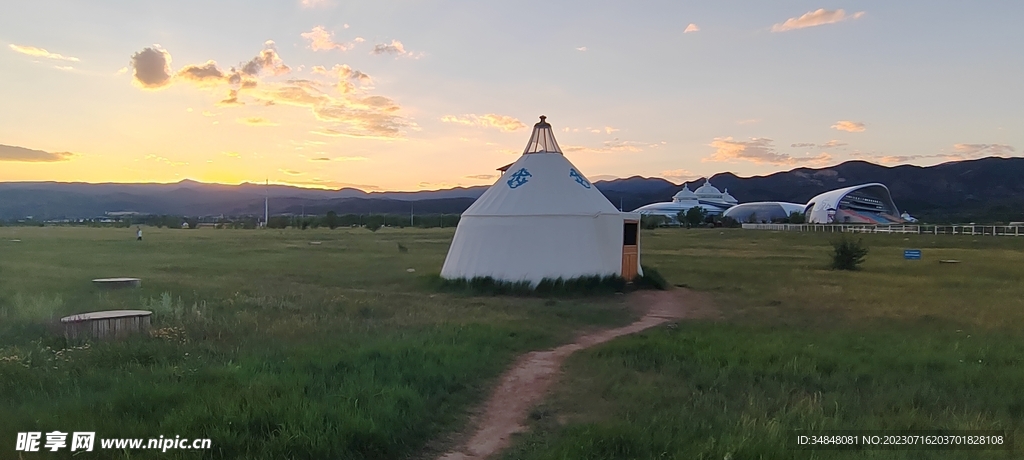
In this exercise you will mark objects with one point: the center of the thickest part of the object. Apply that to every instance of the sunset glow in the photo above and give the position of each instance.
(413, 95)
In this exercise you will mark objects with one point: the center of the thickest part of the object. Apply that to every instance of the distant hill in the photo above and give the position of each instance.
(985, 190)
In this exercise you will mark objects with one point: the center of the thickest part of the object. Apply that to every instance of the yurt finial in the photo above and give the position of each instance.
(543, 139)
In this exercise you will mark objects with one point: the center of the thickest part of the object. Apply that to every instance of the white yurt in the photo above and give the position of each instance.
(543, 219)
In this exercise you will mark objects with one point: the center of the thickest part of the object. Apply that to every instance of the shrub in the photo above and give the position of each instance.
(582, 286)
(848, 253)
(651, 279)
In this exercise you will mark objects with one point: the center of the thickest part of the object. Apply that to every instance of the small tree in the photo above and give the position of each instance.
(796, 217)
(696, 216)
(848, 253)
(651, 221)
(331, 220)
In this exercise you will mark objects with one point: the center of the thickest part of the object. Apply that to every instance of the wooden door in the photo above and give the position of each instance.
(630, 249)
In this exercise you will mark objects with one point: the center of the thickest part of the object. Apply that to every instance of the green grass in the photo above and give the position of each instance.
(897, 345)
(271, 347)
(275, 348)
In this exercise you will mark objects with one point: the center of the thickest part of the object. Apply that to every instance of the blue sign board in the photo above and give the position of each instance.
(912, 254)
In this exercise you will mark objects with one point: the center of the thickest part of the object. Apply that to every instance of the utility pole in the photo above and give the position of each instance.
(266, 204)
(412, 214)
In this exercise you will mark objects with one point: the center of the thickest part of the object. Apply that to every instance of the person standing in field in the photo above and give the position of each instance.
(138, 234)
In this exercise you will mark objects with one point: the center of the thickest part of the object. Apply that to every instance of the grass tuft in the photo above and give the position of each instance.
(559, 287)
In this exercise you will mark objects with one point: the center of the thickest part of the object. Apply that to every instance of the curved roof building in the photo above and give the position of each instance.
(707, 196)
(763, 212)
(860, 204)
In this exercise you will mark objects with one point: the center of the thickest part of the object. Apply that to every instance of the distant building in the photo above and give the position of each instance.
(711, 199)
(763, 211)
(860, 204)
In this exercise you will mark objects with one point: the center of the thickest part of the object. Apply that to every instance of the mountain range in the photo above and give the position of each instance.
(983, 190)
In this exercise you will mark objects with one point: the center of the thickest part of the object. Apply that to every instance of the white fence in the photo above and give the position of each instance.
(997, 230)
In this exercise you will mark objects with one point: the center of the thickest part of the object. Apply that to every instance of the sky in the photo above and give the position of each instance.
(415, 95)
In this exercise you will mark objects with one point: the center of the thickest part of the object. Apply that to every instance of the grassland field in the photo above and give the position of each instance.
(274, 348)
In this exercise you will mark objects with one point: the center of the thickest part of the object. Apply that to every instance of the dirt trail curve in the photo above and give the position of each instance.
(523, 386)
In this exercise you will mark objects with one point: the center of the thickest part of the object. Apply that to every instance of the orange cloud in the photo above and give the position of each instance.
(691, 28)
(758, 151)
(15, 153)
(982, 150)
(322, 40)
(490, 120)
(818, 17)
(40, 52)
(679, 175)
(849, 126)
(256, 121)
(612, 146)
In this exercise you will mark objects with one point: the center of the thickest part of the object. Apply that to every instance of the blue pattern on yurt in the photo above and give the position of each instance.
(519, 178)
(579, 178)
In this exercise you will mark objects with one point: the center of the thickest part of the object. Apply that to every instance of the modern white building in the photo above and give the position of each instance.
(543, 219)
(711, 199)
(763, 211)
(859, 204)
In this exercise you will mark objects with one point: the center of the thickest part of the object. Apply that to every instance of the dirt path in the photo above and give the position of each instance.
(523, 386)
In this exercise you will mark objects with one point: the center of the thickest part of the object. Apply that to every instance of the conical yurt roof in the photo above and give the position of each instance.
(541, 182)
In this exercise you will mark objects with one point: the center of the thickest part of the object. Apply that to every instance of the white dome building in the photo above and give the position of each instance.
(707, 196)
(543, 219)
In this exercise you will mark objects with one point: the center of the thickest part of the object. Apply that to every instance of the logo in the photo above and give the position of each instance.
(519, 178)
(55, 440)
(579, 178)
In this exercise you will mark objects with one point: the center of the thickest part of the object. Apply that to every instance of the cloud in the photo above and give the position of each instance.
(291, 172)
(490, 120)
(609, 129)
(758, 151)
(960, 152)
(352, 114)
(314, 4)
(267, 60)
(231, 100)
(613, 146)
(679, 175)
(152, 67)
(582, 48)
(482, 177)
(748, 121)
(827, 145)
(849, 126)
(691, 28)
(330, 183)
(256, 121)
(206, 74)
(395, 47)
(40, 52)
(347, 77)
(15, 153)
(322, 40)
(342, 158)
(819, 17)
(65, 68)
(982, 150)
(166, 160)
